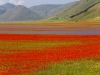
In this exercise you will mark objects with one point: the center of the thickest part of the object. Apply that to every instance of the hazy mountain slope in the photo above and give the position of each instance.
(59, 9)
(6, 6)
(43, 10)
(48, 10)
(76, 9)
(19, 13)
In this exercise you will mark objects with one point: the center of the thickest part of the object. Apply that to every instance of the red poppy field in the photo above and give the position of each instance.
(28, 54)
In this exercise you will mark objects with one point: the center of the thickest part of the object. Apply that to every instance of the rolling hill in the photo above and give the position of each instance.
(48, 10)
(43, 10)
(59, 9)
(81, 10)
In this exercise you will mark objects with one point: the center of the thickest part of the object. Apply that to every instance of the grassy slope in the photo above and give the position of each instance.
(90, 14)
(96, 19)
(74, 9)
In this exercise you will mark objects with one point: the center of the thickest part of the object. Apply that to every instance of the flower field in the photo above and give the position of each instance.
(29, 54)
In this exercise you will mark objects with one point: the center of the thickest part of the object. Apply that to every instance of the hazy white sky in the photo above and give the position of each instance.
(35, 2)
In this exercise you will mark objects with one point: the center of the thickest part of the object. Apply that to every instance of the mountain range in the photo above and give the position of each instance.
(10, 12)
(75, 11)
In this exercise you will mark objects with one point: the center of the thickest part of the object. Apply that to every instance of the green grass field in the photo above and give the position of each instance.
(71, 67)
(77, 67)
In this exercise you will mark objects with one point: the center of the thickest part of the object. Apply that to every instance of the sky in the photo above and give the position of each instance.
(29, 3)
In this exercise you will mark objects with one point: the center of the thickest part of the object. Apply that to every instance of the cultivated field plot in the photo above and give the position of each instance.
(50, 54)
(52, 28)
